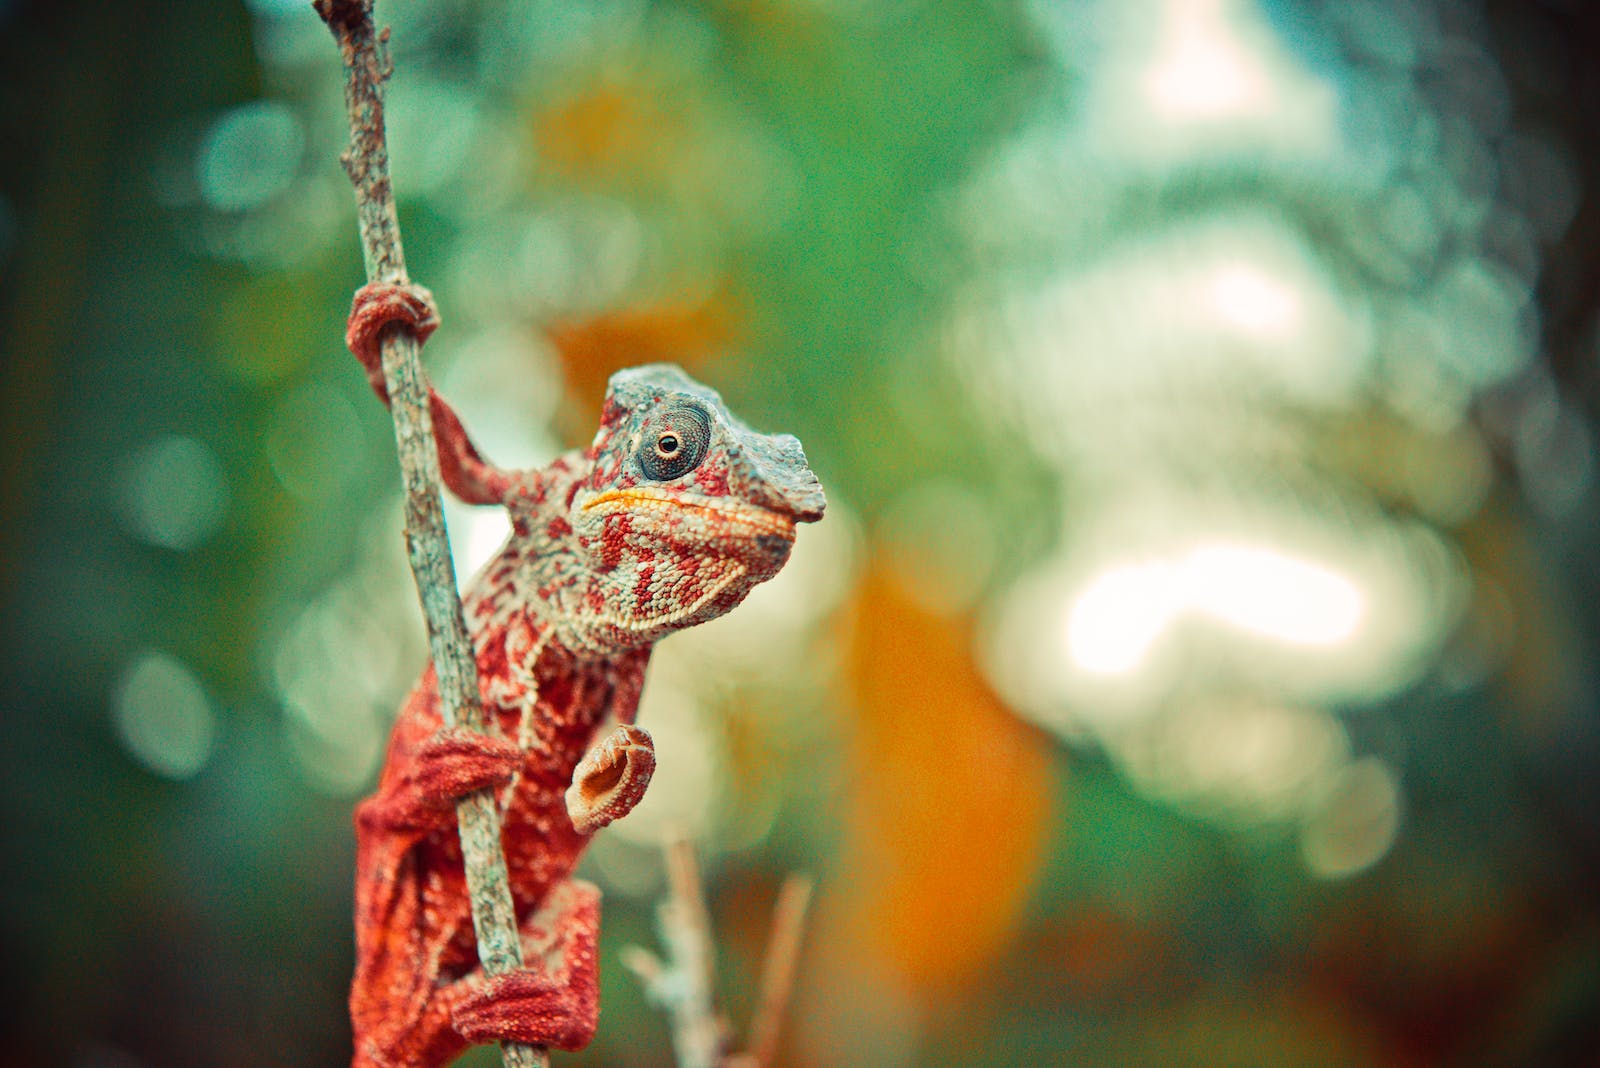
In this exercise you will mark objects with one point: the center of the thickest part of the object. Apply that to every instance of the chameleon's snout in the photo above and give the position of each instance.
(775, 468)
(807, 502)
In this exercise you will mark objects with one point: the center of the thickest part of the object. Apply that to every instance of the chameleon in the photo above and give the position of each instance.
(669, 518)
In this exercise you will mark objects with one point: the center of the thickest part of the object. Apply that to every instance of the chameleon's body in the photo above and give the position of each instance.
(669, 519)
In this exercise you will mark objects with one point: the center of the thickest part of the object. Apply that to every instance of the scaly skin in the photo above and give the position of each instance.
(668, 519)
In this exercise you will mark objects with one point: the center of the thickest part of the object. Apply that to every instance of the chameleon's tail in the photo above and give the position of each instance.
(398, 1017)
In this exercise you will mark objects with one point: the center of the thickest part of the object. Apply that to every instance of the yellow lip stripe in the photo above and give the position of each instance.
(749, 515)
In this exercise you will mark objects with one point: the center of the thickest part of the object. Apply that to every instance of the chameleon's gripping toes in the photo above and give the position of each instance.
(668, 519)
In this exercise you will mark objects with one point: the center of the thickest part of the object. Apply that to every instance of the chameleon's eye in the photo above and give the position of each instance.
(676, 444)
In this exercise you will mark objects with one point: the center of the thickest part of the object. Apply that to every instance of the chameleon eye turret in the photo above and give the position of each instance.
(675, 442)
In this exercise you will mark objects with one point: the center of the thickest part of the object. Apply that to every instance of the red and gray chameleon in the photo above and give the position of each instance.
(668, 519)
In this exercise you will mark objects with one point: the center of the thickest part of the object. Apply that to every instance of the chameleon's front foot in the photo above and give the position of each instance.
(611, 779)
(458, 761)
(375, 306)
(454, 762)
(554, 1000)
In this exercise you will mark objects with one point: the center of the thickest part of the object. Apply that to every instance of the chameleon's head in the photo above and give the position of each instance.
(685, 508)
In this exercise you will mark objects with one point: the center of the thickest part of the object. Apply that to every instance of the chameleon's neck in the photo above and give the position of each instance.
(541, 579)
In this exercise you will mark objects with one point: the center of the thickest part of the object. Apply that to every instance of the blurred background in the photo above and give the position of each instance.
(1197, 663)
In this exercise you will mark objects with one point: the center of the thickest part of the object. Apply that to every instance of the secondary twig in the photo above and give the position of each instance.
(778, 969)
(684, 984)
(367, 162)
(686, 927)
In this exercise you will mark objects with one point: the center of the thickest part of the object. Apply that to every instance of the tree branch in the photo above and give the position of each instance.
(778, 969)
(366, 161)
(684, 984)
(686, 924)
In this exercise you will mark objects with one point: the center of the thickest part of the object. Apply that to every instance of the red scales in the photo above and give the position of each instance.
(673, 514)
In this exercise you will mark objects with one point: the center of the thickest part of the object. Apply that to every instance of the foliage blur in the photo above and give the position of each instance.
(1197, 663)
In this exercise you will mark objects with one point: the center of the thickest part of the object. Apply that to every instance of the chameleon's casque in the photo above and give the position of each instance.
(673, 514)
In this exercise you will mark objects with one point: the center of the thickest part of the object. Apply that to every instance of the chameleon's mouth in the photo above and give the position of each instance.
(730, 516)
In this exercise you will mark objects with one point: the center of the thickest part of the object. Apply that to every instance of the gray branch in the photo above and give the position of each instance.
(367, 162)
(684, 984)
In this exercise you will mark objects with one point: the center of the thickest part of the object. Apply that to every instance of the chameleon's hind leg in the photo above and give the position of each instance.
(554, 999)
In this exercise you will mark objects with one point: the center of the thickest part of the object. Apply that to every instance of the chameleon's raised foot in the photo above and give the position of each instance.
(453, 763)
(611, 779)
(375, 306)
(554, 1000)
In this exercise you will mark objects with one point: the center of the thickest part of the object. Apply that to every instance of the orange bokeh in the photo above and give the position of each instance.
(951, 802)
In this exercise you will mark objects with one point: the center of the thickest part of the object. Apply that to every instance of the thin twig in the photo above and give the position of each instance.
(686, 926)
(367, 162)
(778, 969)
(684, 984)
